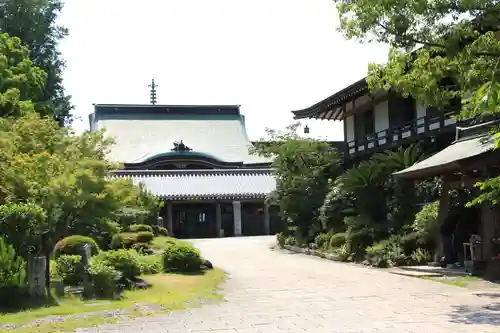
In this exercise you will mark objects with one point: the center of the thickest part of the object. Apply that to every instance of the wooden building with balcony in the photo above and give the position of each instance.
(382, 120)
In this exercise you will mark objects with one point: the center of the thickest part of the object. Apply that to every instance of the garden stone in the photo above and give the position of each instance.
(207, 264)
(88, 291)
(36, 276)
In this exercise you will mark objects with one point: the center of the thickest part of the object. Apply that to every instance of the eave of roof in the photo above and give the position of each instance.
(337, 99)
(472, 142)
(203, 184)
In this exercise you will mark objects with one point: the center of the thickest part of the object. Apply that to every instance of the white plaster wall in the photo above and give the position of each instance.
(349, 128)
(381, 114)
(421, 110)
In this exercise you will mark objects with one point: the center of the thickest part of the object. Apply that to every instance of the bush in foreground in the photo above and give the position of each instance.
(105, 278)
(123, 261)
(140, 227)
(182, 257)
(70, 269)
(127, 240)
(72, 245)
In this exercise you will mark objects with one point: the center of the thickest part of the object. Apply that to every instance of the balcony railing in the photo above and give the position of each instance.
(422, 126)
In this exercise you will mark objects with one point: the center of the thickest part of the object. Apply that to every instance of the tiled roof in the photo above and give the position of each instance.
(140, 136)
(204, 184)
(331, 107)
(471, 142)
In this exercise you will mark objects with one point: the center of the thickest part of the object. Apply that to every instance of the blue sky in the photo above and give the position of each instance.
(269, 56)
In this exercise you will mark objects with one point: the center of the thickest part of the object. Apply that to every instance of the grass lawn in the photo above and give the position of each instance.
(162, 242)
(168, 292)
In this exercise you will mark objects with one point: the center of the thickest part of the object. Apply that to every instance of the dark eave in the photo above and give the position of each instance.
(166, 109)
(326, 109)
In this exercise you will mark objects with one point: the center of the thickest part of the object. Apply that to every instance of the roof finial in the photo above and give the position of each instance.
(152, 92)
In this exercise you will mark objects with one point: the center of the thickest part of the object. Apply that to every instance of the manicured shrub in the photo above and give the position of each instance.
(72, 245)
(182, 257)
(143, 248)
(70, 269)
(105, 278)
(124, 240)
(144, 237)
(124, 261)
(151, 264)
(140, 227)
(337, 240)
(160, 231)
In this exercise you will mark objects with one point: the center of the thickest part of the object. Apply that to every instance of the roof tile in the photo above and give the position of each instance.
(204, 184)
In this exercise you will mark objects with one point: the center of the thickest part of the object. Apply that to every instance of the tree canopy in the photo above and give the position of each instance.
(446, 59)
(443, 53)
(34, 22)
(303, 168)
(53, 183)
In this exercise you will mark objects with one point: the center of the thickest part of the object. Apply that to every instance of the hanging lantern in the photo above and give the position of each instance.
(306, 130)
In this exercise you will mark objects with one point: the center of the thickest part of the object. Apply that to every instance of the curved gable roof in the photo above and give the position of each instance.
(217, 132)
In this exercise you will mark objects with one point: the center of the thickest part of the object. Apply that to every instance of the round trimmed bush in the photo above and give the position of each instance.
(124, 261)
(72, 245)
(144, 237)
(337, 240)
(140, 227)
(124, 240)
(182, 257)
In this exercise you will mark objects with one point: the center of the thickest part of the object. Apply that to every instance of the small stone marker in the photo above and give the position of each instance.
(159, 221)
(36, 276)
(87, 283)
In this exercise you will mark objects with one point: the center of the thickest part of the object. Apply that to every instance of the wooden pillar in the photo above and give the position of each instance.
(237, 217)
(267, 225)
(488, 222)
(444, 204)
(218, 219)
(170, 223)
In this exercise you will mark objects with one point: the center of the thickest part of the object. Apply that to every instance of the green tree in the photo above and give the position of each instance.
(34, 22)
(453, 57)
(20, 80)
(446, 59)
(56, 183)
(303, 168)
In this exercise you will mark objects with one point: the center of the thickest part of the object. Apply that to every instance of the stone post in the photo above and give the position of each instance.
(170, 223)
(237, 217)
(444, 203)
(159, 221)
(88, 291)
(218, 219)
(267, 223)
(36, 276)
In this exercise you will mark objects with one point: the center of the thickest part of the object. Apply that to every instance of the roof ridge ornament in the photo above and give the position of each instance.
(180, 147)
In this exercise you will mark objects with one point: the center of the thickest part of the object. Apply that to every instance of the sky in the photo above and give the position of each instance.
(269, 56)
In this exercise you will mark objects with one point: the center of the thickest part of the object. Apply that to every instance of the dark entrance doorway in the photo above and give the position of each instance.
(194, 220)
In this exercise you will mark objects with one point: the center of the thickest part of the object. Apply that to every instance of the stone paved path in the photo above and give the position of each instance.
(275, 291)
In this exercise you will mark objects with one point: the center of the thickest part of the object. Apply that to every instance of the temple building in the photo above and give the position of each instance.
(197, 160)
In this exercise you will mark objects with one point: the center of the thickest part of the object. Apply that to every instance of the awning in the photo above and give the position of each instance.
(448, 159)
(204, 184)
